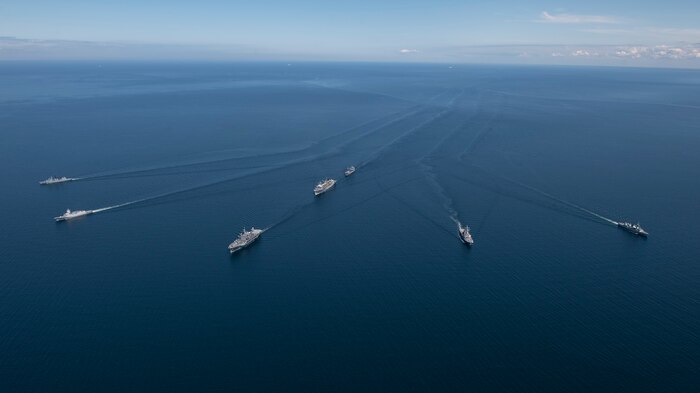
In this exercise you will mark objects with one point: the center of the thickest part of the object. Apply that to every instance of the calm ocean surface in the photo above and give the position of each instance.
(366, 288)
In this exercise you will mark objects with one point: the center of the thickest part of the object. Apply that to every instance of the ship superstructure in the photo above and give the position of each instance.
(244, 239)
(465, 236)
(56, 180)
(68, 215)
(633, 228)
(324, 186)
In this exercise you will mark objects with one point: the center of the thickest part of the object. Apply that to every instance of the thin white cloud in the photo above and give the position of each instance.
(584, 53)
(664, 54)
(669, 55)
(649, 34)
(546, 17)
(669, 52)
(608, 31)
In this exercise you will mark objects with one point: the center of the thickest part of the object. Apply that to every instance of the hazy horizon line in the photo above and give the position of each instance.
(672, 55)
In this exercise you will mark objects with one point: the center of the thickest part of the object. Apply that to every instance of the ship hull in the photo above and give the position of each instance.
(317, 193)
(56, 181)
(239, 248)
(468, 241)
(62, 218)
(641, 233)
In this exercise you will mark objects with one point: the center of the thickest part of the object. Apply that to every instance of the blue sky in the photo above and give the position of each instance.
(585, 32)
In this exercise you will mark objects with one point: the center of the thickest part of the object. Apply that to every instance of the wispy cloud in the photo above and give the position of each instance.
(649, 35)
(405, 50)
(608, 31)
(671, 52)
(669, 55)
(546, 17)
(634, 52)
(584, 52)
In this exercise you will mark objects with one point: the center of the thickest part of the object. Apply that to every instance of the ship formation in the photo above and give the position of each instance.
(247, 237)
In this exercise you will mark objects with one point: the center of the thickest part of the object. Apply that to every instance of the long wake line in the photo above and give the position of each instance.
(375, 124)
(554, 198)
(123, 204)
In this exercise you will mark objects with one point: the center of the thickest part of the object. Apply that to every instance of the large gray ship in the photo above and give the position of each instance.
(244, 239)
(465, 236)
(633, 228)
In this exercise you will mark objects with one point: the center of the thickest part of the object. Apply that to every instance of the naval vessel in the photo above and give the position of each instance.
(244, 239)
(324, 186)
(633, 228)
(68, 215)
(465, 236)
(55, 180)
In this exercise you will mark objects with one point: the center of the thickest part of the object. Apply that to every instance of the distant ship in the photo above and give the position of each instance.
(324, 186)
(633, 228)
(244, 239)
(349, 170)
(465, 236)
(55, 180)
(68, 215)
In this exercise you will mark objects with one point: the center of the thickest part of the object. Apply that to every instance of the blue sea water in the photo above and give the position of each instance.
(366, 288)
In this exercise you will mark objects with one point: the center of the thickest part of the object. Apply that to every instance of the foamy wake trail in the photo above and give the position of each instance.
(554, 198)
(290, 213)
(391, 144)
(124, 204)
(178, 168)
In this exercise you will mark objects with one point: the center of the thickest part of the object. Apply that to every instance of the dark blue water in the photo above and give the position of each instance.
(366, 288)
